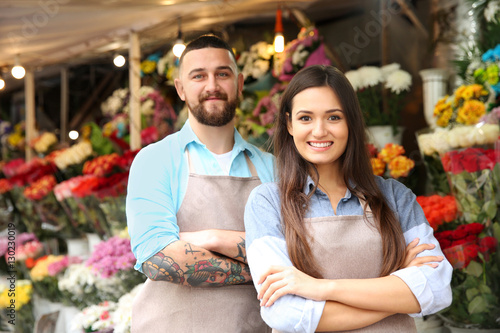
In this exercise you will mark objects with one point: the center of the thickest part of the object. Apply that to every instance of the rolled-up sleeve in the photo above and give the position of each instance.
(431, 286)
(266, 247)
(151, 211)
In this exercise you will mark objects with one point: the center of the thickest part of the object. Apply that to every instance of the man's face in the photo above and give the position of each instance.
(210, 85)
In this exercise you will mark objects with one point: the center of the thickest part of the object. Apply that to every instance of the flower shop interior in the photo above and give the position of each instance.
(84, 85)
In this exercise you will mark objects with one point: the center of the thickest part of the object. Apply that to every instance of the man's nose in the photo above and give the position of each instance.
(212, 84)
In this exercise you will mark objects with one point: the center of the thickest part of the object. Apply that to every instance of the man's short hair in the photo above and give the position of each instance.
(207, 41)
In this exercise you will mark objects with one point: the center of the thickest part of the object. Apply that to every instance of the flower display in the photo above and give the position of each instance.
(472, 249)
(112, 256)
(256, 62)
(46, 285)
(102, 166)
(95, 317)
(23, 317)
(122, 316)
(306, 50)
(78, 286)
(474, 177)
(390, 161)
(371, 84)
(466, 106)
(44, 142)
(168, 67)
(75, 155)
(438, 209)
(256, 117)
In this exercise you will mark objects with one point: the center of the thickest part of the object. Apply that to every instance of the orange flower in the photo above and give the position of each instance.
(471, 112)
(400, 166)
(390, 151)
(41, 188)
(378, 166)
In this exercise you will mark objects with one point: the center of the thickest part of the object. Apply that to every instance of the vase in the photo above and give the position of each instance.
(453, 329)
(435, 82)
(93, 240)
(382, 135)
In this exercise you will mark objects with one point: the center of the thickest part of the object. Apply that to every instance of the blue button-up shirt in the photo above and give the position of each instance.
(266, 246)
(158, 181)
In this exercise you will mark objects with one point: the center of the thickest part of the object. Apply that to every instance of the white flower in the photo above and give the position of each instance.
(260, 68)
(122, 316)
(389, 69)
(370, 76)
(398, 81)
(264, 50)
(354, 79)
(46, 140)
(148, 107)
(300, 55)
(491, 11)
(74, 155)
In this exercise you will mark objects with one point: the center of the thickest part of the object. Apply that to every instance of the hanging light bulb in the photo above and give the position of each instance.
(179, 43)
(18, 71)
(2, 83)
(279, 39)
(119, 60)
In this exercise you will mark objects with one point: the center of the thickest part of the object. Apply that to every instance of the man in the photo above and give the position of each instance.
(185, 206)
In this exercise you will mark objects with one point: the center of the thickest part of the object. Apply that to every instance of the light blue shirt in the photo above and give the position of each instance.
(158, 181)
(266, 246)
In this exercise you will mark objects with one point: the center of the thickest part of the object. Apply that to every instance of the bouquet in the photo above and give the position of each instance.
(114, 259)
(256, 62)
(70, 161)
(44, 143)
(47, 213)
(78, 286)
(466, 106)
(371, 84)
(17, 311)
(306, 50)
(45, 284)
(439, 210)
(168, 67)
(391, 163)
(95, 318)
(474, 177)
(472, 249)
(434, 144)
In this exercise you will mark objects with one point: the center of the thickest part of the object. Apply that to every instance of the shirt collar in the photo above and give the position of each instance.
(310, 185)
(186, 136)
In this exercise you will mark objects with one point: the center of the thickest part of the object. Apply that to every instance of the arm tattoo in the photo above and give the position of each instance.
(241, 251)
(208, 272)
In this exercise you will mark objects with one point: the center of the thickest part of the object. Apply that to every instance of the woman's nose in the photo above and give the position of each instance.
(319, 129)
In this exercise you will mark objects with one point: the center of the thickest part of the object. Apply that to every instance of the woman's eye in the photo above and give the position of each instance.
(333, 117)
(305, 118)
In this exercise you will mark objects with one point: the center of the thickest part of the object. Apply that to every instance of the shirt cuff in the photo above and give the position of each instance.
(417, 282)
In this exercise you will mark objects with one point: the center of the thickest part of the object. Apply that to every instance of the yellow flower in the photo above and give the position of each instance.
(459, 93)
(390, 151)
(41, 267)
(443, 112)
(378, 166)
(473, 91)
(15, 139)
(471, 112)
(21, 294)
(148, 66)
(400, 166)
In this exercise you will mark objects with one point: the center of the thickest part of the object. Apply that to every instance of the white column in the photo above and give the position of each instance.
(64, 105)
(135, 84)
(29, 98)
(435, 82)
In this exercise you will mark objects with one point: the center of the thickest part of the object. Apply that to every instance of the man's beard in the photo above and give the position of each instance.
(216, 118)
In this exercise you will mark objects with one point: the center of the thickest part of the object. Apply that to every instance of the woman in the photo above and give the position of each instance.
(326, 244)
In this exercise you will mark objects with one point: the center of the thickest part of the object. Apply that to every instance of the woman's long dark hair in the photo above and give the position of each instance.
(355, 167)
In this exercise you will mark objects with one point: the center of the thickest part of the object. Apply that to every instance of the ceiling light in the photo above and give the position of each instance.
(18, 71)
(73, 135)
(279, 39)
(179, 43)
(2, 83)
(119, 60)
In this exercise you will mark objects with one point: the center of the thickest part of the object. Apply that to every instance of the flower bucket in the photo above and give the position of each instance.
(382, 135)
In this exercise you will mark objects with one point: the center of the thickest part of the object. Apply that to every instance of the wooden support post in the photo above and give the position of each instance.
(64, 105)
(29, 95)
(135, 85)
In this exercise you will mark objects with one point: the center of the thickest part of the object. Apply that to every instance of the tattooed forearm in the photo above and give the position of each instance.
(242, 253)
(204, 269)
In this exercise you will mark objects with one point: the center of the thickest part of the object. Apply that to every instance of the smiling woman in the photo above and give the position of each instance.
(351, 226)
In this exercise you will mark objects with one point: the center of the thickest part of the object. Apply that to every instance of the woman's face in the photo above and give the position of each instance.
(318, 126)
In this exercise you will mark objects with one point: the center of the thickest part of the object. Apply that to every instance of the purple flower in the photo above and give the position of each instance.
(112, 256)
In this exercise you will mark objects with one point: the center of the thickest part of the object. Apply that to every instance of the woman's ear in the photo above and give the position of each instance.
(289, 124)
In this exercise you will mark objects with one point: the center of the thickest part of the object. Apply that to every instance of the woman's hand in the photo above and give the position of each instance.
(413, 249)
(278, 281)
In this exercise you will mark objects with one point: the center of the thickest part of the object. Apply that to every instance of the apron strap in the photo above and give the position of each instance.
(251, 166)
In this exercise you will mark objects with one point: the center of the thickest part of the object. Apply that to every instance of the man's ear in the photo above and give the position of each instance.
(180, 89)
(289, 124)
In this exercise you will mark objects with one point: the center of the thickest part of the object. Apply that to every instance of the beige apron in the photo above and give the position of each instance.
(349, 247)
(211, 202)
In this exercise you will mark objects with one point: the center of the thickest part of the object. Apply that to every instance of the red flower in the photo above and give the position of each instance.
(459, 234)
(105, 315)
(472, 228)
(445, 243)
(490, 243)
